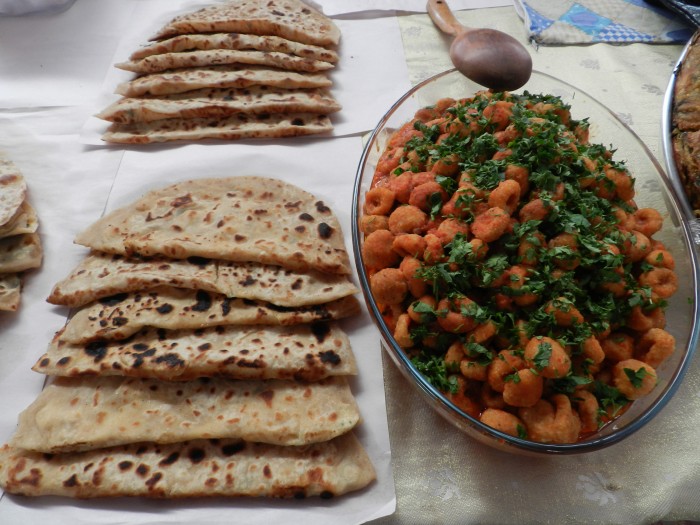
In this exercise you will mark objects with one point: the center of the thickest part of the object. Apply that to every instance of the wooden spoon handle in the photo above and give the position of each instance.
(443, 17)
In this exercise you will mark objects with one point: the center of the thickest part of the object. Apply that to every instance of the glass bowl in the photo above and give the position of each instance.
(653, 189)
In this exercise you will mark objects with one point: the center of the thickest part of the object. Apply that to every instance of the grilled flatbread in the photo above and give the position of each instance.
(191, 469)
(188, 79)
(121, 316)
(13, 190)
(245, 219)
(241, 126)
(291, 19)
(24, 221)
(217, 103)
(302, 352)
(221, 57)
(101, 275)
(20, 252)
(235, 41)
(73, 414)
(10, 288)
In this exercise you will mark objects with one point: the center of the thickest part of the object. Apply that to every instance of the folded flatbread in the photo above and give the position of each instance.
(221, 57)
(101, 275)
(120, 316)
(10, 288)
(199, 468)
(306, 352)
(20, 252)
(85, 413)
(13, 190)
(188, 79)
(235, 41)
(23, 221)
(241, 126)
(244, 219)
(291, 19)
(217, 103)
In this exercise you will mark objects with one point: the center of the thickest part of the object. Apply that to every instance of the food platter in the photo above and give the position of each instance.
(668, 130)
(653, 190)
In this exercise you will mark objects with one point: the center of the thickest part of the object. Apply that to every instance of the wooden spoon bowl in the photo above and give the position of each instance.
(489, 57)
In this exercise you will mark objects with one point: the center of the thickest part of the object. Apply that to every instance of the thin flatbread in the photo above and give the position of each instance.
(235, 41)
(13, 190)
(101, 275)
(24, 221)
(20, 252)
(121, 316)
(241, 126)
(243, 219)
(307, 352)
(10, 288)
(73, 414)
(221, 57)
(290, 19)
(217, 103)
(188, 79)
(199, 468)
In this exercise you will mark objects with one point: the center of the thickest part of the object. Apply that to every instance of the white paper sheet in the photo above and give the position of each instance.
(59, 58)
(370, 76)
(68, 186)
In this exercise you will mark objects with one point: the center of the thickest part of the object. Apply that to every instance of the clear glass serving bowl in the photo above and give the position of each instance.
(653, 189)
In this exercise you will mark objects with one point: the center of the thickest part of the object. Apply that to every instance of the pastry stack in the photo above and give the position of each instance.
(685, 133)
(203, 357)
(20, 245)
(237, 69)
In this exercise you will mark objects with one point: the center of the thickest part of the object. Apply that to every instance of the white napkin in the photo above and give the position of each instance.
(23, 7)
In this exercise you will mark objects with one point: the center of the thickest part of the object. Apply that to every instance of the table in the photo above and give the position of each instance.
(440, 476)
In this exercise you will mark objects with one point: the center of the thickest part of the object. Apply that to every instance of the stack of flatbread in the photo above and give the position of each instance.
(20, 246)
(238, 69)
(203, 357)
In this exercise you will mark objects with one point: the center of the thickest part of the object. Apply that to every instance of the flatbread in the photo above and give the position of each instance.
(86, 413)
(191, 469)
(188, 79)
(217, 103)
(13, 190)
(291, 19)
(10, 288)
(20, 252)
(24, 221)
(301, 352)
(235, 41)
(119, 317)
(100, 275)
(245, 219)
(241, 126)
(220, 57)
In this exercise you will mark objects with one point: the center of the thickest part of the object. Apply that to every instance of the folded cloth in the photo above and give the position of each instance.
(593, 21)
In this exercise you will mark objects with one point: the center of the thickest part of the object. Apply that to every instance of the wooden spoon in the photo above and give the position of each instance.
(489, 57)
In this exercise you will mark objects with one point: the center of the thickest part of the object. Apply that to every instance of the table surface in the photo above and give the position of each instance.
(440, 475)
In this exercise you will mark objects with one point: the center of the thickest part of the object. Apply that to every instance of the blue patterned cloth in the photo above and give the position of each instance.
(557, 22)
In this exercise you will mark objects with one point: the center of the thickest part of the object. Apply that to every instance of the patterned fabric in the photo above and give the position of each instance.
(610, 21)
